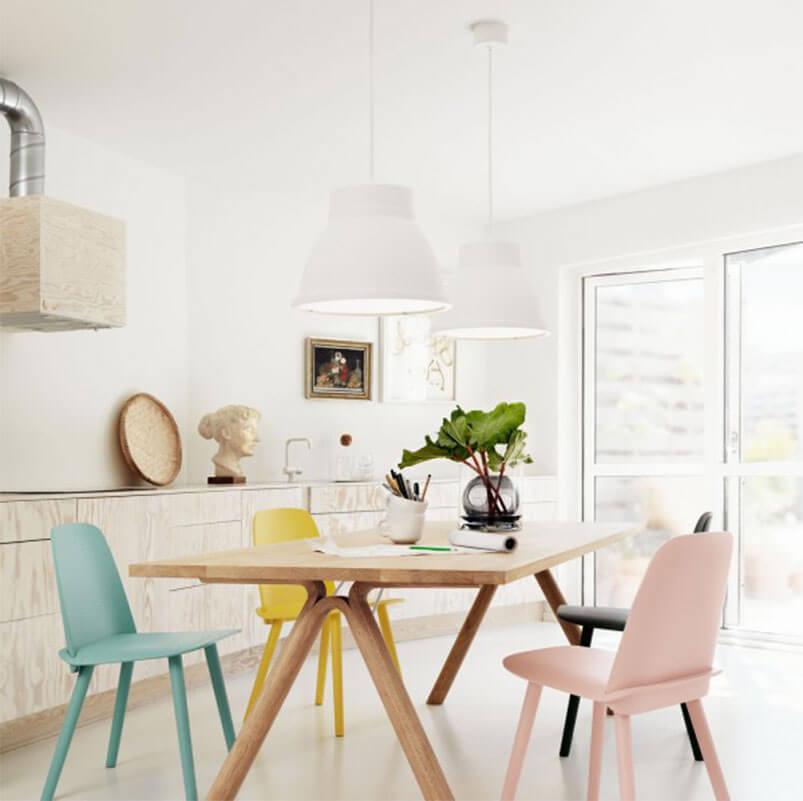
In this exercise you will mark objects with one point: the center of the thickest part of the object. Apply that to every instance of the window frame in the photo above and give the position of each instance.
(573, 386)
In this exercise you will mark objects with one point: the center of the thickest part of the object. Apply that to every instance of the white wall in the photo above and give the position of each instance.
(245, 255)
(210, 277)
(561, 245)
(60, 393)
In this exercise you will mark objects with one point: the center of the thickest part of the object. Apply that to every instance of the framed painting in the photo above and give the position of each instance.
(337, 368)
(417, 366)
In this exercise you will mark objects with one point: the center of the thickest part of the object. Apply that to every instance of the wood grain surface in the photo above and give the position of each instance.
(541, 546)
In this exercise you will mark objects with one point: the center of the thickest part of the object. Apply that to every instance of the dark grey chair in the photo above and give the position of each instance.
(612, 619)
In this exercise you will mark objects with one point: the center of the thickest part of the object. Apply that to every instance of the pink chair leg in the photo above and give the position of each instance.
(595, 760)
(523, 732)
(700, 723)
(624, 758)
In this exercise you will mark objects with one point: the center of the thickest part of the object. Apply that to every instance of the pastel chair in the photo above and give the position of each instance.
(613, 618)
(281, 603)
(99, 629)
(665, 658)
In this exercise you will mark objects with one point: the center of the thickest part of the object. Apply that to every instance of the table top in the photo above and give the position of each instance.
(541, 546)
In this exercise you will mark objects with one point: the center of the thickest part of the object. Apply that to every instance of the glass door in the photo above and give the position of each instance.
(693, 402)
(764, 434)
(644, 418)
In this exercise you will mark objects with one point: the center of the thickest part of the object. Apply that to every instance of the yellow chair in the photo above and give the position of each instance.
(283, 602)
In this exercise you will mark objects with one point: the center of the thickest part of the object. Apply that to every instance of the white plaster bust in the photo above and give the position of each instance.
(234, 428)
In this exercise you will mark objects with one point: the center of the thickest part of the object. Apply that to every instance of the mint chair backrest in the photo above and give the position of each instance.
(93, 601)
(672, 627)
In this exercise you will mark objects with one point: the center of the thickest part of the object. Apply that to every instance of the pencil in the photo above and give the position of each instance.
(426, 487)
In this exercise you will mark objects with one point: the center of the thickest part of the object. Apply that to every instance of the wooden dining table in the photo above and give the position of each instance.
(541, 547)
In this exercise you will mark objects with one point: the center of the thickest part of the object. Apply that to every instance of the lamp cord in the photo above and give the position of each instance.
(371, 89)
(490, 139)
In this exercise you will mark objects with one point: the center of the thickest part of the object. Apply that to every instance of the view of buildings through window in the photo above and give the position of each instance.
(765, 365)
(650, 336)
(649, 409)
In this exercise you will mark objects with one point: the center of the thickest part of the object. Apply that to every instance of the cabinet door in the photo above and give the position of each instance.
(276, 498)
(32, 677)
(334, 498)
(253, 501)
(339, 524)
(27, 579)
(32, 520)
(133, 526)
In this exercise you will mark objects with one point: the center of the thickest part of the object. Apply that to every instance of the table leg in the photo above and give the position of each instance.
(554, 597)
(399, 707)
(461, 645)
(278, 684)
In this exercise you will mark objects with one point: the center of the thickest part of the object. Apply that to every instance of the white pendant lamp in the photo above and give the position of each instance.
(492, 297)
(372, 258)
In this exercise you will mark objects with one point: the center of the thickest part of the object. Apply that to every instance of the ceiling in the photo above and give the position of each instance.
(593, 98)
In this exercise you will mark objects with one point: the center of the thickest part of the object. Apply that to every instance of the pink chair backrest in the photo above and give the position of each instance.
(672, 628)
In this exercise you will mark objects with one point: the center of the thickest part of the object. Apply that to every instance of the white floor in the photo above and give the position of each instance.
(755, 711)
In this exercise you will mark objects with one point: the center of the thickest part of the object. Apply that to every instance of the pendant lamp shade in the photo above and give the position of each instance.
(372, 258)
(492, 296)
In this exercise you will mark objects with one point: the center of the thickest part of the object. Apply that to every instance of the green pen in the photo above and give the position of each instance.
(431, 548)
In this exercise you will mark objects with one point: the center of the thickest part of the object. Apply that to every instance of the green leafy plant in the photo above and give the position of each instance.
(486, 442)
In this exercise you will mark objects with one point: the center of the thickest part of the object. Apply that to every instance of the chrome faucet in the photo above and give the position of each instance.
(292, 472)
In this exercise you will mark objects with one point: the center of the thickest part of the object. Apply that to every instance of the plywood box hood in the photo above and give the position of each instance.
(62, 267)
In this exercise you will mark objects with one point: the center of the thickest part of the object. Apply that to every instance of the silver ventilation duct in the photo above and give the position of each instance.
(27, 169)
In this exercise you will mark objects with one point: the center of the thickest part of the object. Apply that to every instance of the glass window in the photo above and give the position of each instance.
(765, 295)
(649, 372)
(670, 505)
(772, 554)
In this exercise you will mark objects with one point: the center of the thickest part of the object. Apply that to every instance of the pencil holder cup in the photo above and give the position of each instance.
(404, 520)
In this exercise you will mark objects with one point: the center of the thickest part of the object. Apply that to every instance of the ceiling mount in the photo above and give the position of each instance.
(489, 32)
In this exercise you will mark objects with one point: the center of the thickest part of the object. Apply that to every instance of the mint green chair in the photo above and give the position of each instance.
(99, 629)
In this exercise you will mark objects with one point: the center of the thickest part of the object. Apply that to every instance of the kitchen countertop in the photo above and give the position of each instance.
(142, 489)
(145, 489)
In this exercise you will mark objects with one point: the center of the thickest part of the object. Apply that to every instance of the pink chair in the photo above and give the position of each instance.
(665, 658)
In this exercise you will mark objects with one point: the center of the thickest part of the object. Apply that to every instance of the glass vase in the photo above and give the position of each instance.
(492, 501)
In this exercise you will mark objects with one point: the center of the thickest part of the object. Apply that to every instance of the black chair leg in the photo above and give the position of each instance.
(695, 746)
(574, 702)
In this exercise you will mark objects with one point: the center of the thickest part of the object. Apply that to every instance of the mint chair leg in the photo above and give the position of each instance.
(124, 682)
(183, 725)
(67, 730)
(216, 674)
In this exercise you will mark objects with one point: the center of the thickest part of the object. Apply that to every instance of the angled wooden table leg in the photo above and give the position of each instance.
(461, 645)
(278, 684)
(399, 707)
(554, 597)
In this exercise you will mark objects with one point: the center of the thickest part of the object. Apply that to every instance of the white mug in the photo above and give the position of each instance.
(404, 520)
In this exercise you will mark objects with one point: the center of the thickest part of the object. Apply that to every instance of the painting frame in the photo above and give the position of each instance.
(312, 366)
(411, 388)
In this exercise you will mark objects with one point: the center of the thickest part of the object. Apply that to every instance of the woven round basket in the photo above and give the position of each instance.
(150, 440)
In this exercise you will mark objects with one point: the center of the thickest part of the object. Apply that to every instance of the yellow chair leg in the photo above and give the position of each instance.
(337, 672)
(323, 654)
(387, 634)
(264, 663)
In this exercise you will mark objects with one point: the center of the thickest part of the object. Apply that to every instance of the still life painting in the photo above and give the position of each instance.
(338, 369)
(416, 365)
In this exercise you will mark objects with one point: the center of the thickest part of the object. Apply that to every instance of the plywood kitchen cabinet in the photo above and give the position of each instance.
(162, 523)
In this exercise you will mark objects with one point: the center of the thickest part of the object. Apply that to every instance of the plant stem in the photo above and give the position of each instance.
(494, 497)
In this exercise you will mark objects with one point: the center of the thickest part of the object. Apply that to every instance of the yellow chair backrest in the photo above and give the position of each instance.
(283, 601)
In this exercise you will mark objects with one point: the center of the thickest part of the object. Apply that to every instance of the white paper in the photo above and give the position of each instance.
(332, 549)
(483, 540)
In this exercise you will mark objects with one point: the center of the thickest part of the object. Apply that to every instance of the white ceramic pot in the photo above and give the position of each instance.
(404, 520)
